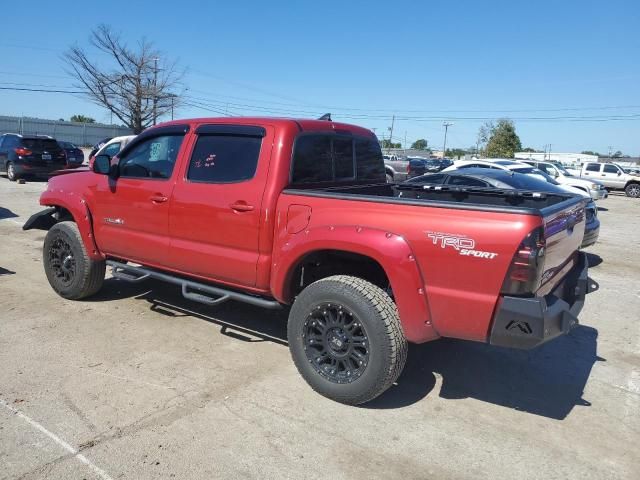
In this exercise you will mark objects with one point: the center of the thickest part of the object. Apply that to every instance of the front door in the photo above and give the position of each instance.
(131, 213)
(612, 176)
(216, 212)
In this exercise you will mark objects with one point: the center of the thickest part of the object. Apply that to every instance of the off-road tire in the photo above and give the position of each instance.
(632, 190)
(377, 314)
(88, 275)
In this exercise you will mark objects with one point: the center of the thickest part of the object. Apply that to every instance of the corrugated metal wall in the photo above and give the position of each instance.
(79, 133)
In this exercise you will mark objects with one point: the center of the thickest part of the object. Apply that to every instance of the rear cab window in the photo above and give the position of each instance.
(336, 159)
(593, 167)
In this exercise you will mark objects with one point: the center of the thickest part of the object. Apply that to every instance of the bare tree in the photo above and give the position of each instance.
(137, 84)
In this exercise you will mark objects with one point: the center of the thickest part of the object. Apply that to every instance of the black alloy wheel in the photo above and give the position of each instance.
(336, 343)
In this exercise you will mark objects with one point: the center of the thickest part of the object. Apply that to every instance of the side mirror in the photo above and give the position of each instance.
(102, 165)
(619, 173)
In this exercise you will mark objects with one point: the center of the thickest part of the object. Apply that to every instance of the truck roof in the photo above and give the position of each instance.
(302, 124)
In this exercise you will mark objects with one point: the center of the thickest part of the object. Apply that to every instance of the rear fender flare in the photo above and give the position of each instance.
(391, 251)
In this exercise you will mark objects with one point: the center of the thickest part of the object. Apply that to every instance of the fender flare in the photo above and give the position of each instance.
(391, 251)
(82, 217)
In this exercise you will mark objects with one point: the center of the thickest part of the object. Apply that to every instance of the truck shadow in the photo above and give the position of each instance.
(547, 381)
(236, 320)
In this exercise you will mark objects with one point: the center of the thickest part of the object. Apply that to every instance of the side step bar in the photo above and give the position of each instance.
(198, 292)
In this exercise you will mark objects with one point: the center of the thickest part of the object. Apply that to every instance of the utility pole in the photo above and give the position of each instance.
(446, 126)
(172, 98)
(405, 139)
(610, 149)
(155, 90)
(393, 119)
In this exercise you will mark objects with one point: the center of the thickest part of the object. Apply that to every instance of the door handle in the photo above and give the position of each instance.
(158, 198)
(241, 207)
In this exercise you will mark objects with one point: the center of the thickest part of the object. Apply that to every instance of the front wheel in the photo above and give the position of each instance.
(633, 190)
(70, 271)
(346, 339)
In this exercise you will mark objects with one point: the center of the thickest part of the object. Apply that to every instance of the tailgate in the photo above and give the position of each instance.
(563, 233)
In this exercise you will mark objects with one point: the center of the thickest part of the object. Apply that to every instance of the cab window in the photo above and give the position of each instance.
(593, 167)
(611, 169)
(152, 158)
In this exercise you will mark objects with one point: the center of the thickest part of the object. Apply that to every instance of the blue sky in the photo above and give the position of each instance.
(364, 61)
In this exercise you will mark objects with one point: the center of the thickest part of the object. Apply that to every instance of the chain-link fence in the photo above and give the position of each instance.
(81, 134)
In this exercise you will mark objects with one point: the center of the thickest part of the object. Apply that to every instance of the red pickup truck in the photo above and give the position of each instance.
(297, 214)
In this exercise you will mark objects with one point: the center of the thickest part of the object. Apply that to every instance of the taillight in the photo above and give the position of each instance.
(23, 152)
(408, 168)
(527, 265)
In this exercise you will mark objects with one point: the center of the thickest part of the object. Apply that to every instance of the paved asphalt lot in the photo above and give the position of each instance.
(138, 383)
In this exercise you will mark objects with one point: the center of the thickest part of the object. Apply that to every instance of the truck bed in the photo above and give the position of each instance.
(467, 198)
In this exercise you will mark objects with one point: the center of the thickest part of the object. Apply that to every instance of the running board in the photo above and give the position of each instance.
(197, 292)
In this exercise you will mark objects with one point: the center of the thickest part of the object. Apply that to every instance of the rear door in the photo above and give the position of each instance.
(131, 213)
(216, 207)
(592, 171)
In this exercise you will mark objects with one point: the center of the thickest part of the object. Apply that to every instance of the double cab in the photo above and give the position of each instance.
(297, 214)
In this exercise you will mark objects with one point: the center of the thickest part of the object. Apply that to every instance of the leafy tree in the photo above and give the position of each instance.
(137, 84)
(455, 152)
(503, 140)
(386, 143)
(589, 152)
(529, 149)
(81, 119)
(420, 144)
(618, 154)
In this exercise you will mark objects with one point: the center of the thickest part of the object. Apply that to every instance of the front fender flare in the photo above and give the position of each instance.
(391, 251)
(81, 214)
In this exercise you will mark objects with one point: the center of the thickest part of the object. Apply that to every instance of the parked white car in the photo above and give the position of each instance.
(594, 188)
(113, 146)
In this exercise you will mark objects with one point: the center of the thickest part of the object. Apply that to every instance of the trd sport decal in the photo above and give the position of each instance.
(463, 245)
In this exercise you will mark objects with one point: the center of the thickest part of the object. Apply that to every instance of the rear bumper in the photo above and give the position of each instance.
(591, 233)
(29, 169)
(528, 322)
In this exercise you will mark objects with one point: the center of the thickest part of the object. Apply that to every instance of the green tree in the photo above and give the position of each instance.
(529, 149)
(503, 141)
(455, 152)
(420, 144)
(386, 143)
(589, 152)
(617, 154)
(81, 119)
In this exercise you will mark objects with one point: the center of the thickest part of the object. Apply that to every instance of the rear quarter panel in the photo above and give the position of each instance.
(438, 290)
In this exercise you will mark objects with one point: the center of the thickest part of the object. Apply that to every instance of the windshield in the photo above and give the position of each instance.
(563, 170)
(544, 175)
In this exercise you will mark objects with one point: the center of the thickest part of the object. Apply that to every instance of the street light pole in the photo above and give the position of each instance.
(446, 126)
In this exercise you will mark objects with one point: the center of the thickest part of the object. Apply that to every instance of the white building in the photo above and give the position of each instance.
(564, 158)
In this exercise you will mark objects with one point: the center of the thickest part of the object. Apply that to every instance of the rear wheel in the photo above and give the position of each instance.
(389, 178)
(633, 190)
(70, 271)
(11, 172)
(346, 339)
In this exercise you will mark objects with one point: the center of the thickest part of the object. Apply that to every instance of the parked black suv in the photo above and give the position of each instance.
(24, 155)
